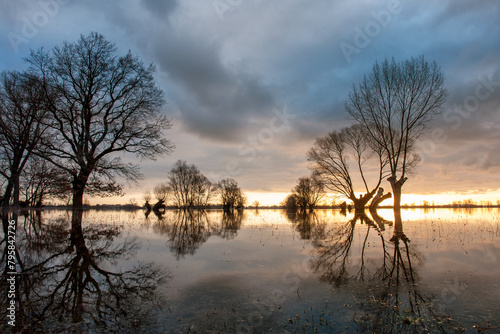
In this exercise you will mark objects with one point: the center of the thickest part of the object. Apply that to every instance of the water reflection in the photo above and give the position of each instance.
(187, 230)
(333, 252)
(267, 272)
(308, 225)
(382, 276)
(67, 279)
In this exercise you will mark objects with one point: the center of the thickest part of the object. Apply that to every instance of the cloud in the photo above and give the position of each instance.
(217, 101)
(160, 8)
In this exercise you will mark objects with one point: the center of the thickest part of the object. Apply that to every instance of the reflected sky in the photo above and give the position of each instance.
(255, 271)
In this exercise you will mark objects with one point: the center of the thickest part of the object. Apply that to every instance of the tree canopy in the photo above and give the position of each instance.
(332, 158)
(395, 103)
(100, 104)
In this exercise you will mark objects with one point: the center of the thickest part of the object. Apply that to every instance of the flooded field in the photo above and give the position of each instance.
(256, 272)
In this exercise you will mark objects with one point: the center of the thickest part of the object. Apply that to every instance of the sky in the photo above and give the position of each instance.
(250, 84)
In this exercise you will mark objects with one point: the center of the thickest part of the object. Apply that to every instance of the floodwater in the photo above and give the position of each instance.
(264, 271)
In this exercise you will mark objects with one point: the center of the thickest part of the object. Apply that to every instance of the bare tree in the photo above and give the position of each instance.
(180, 180)
(395, 103)
(308, 192)
(161, 193)
(241, 201)
(22, 112)
(332, 158)
(205, 190)
(190, 188)
(102, 104)
(147, 197)
(40, 180)
(231, 195)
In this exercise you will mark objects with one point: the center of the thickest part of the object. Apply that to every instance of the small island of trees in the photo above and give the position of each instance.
(187, 188)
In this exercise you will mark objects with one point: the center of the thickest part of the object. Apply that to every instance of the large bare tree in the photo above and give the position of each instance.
(334, 155)
(102, 104)
(22, 112)
(395, 103)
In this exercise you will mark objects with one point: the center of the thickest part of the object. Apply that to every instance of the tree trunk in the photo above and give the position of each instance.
(11, 192)
(15, 194)
(78, 199)
(159, 205)
(79, 184)
(396, 186)
(7, 195)
(379, 198)
(360, 203)
(397, 196)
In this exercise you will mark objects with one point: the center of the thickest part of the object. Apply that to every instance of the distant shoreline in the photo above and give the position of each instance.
(128, 207)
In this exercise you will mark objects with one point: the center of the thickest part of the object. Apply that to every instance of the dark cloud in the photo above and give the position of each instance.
(218, 101)
(160, 8)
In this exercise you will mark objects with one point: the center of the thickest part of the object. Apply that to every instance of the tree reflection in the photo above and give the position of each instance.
(386, 285)
(69, 285)
(307, 224)
(333, 250)
(231, 224)
(187, 230)
(399, 305)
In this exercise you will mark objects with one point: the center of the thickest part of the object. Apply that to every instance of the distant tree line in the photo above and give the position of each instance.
(187, 187)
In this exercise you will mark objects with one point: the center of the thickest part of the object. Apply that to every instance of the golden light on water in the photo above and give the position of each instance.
(275, 198)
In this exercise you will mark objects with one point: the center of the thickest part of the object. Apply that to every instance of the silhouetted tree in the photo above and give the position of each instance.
(190, 188)
(231, 195)
(147, 197)
(241, 201)
(332, 158)
(22, 116)
(161, 192)
(205, 191)
(290, 203)
(40, 179)
(308, 192)
(395, 103)
(101, 104)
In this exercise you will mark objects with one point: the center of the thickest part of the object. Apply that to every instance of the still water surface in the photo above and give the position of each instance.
(259, 272)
